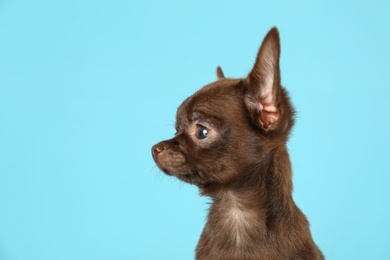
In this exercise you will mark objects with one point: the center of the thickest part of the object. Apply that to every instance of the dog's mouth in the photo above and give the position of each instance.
(174, 163)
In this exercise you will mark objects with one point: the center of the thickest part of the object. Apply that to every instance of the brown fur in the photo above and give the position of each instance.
(231, 142)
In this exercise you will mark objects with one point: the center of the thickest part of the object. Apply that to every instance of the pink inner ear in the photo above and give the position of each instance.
(269, 114)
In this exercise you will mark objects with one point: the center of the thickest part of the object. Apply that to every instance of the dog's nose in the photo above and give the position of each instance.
(157, 149)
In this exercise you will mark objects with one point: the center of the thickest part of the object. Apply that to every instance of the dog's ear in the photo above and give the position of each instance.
(220, 74)
(263, 91)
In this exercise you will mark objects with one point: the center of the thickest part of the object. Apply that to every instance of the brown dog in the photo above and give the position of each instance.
(231, 142)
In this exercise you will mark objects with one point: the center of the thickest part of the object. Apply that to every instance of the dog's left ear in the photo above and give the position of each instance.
(220, 74)
(264, 84)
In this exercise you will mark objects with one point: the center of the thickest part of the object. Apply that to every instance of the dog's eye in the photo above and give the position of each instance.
(201, 132)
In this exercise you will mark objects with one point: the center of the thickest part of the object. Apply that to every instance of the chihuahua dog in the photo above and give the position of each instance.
(230, 141)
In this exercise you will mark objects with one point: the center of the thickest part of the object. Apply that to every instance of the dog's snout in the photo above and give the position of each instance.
(157, 149)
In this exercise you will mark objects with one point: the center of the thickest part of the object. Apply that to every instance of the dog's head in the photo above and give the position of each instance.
(230, 125)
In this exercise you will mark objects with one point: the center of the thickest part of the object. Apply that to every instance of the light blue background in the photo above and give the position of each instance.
(87, 87)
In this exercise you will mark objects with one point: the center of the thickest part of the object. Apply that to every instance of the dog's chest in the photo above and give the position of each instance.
(237, 220)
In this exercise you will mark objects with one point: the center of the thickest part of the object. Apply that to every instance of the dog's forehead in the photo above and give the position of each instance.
(215, 99)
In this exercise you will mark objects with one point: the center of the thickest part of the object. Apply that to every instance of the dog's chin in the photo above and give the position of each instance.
(194, 178)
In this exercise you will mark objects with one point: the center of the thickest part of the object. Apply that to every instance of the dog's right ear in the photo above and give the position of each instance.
(220, 73)
(262, 98)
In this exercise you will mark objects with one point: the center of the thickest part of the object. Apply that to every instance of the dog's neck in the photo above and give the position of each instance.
(249, 209)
